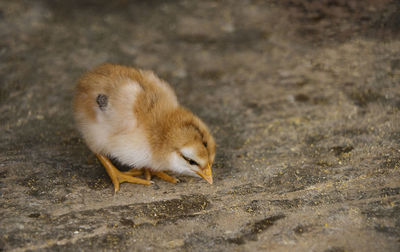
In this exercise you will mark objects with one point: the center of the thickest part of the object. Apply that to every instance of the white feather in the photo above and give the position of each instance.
(115, 131)
(179, 165)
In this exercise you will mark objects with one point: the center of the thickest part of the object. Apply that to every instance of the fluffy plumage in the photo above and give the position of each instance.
(134, 117)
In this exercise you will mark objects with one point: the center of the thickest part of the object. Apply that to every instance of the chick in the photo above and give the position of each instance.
(134, 117)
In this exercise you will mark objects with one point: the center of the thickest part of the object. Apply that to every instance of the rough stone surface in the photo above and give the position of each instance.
(302, 96)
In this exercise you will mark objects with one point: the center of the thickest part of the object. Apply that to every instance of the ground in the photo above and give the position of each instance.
(303, 98)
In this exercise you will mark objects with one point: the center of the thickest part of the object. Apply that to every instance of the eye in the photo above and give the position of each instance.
(190, 161)
(205, 144)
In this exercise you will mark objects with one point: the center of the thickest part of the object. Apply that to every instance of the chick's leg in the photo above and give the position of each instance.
(166, 177)
(133, 172)
(161, 175)
(118, 177)
(147, 174)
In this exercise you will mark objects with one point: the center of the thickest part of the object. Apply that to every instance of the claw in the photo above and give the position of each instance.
(161, 175)
(118, 177)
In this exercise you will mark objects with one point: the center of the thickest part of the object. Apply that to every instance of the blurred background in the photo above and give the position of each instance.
(303, 98)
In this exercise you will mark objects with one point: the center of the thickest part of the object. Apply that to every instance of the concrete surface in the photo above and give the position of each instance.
(303, 98)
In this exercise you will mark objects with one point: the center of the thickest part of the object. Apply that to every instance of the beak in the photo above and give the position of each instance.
(206, 174)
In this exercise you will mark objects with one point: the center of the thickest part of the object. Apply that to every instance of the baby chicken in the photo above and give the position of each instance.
(134, 117)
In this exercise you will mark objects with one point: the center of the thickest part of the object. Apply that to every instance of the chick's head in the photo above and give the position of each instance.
(193, 147)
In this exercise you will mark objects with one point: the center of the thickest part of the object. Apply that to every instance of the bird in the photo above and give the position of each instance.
(132, 116)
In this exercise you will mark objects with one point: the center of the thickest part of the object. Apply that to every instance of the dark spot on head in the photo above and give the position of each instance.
(102, 101)
(205, 144)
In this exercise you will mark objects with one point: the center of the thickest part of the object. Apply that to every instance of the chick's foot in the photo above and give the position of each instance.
(133, 172)
(118, 177)
(162, 175)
